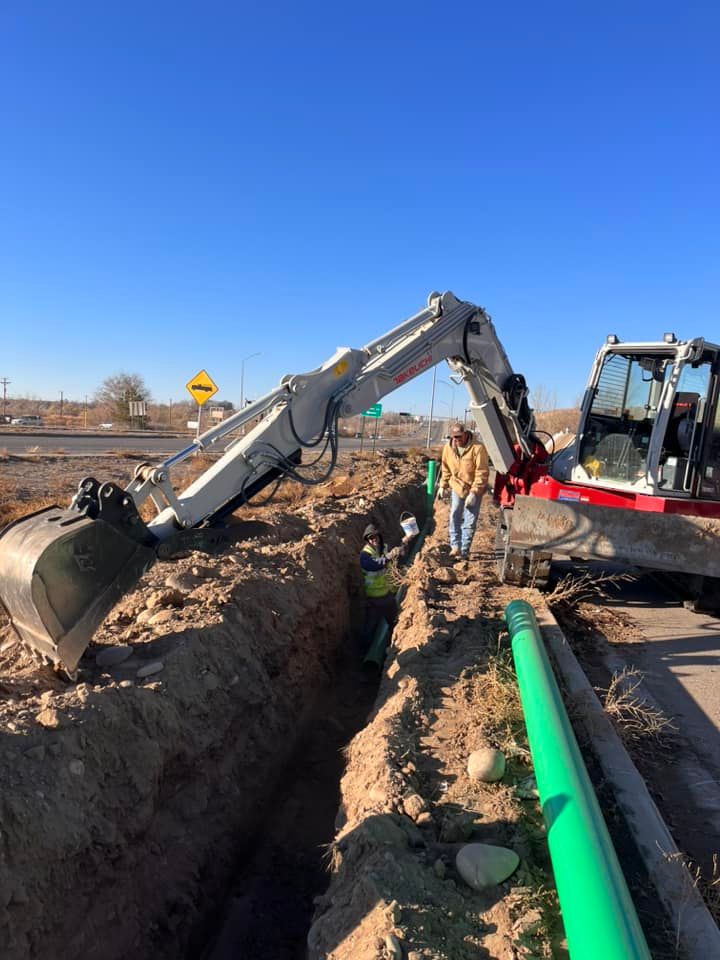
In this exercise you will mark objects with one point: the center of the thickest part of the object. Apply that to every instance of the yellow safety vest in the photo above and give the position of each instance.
(377, 583)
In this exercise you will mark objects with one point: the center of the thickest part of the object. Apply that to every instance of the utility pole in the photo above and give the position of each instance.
(4, 381)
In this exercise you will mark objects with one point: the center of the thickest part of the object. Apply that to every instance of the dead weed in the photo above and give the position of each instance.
(635, 717)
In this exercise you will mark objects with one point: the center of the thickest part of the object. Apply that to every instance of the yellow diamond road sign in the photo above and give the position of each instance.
(202, 387)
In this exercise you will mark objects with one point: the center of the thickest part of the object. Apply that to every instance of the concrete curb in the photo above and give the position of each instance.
(695, 929)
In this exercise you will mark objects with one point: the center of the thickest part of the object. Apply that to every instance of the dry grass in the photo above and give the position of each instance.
(13, 506)
(588, 586)
(492, 694)
(635, 717)
(707, 887)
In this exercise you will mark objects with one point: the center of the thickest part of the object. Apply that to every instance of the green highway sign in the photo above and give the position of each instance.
(374, 411)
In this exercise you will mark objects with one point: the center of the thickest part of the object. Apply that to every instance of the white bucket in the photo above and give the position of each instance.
(409, 525)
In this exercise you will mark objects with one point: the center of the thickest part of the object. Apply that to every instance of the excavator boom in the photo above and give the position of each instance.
(63, 569)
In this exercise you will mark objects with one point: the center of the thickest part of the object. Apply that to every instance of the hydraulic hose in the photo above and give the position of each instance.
(598, 913)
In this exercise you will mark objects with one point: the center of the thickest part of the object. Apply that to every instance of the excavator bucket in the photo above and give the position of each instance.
(60, 575)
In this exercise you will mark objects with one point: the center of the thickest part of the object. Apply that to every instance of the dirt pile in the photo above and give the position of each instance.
(127, 797)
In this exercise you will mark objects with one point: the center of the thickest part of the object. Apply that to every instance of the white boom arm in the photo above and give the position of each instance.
(303, 411)
(62, 569)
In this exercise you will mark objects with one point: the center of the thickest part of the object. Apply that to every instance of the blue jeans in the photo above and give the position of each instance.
(463, 521)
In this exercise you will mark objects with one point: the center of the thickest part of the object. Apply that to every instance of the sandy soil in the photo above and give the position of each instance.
(128, 799)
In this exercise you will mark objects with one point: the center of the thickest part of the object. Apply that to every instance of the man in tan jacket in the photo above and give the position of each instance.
(464, 472)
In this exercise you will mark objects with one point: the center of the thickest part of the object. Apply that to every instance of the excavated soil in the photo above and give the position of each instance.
(180, 803)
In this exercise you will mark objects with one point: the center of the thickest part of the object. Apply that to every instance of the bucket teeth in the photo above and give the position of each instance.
(60, 575)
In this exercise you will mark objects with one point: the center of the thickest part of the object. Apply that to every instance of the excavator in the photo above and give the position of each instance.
(640, 484)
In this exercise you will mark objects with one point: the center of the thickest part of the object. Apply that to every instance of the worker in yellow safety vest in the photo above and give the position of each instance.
(380, 603)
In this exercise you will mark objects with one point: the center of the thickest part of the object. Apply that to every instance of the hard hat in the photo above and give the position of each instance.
(370, 531)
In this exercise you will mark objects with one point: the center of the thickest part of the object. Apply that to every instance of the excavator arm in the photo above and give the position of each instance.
(63, 569)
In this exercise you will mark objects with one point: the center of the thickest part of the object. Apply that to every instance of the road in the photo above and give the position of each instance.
(678, 654)
(82, 444)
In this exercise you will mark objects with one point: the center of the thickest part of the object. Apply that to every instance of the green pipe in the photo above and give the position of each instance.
(376, 651)
(598, 913)
(430, 486)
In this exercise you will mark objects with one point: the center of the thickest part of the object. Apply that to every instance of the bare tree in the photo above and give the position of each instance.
(117, 391)
(543, 399)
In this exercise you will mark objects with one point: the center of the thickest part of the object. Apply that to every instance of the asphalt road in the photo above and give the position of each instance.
(82, 444)
(678, 655)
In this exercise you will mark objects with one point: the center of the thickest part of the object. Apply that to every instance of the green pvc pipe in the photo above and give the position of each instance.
(598, 913)
(431, 471)
(376, 651)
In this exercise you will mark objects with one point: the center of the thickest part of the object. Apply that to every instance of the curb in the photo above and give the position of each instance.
(695, 929)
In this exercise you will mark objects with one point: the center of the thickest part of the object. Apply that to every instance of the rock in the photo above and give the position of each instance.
(182, 583)
(413, 805)
(144, 616)
(150, 668)
(164, 598)
(76, 768)
(126, 683)
(439, 869)
(458, 828)
(36, 753)
(423, 819)
(202, 572)
(486, 764)
(162, 616)
(483, 865)
(48, 717)
(111, 656)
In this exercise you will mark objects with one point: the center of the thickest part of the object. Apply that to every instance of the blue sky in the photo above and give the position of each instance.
(184, 185)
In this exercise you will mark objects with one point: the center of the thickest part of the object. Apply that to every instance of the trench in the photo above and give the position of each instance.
(269, 907)
(275, 879)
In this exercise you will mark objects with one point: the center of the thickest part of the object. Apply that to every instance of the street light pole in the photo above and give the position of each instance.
(242, 380)
(432, 404)
(452, 397)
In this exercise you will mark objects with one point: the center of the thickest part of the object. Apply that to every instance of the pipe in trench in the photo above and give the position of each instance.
(376, 652)
(598, 913)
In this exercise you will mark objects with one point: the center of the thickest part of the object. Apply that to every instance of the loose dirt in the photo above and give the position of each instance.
(138, 799)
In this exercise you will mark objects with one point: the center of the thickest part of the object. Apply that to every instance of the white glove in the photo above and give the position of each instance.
(470, 500)
(441, 493)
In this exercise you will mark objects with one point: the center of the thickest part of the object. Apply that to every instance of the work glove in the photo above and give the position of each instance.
(470, 500)
(395, 552)
(441, 493)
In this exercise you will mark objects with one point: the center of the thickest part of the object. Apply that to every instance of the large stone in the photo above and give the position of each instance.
(162, 616)
(483, 865)
(486, 764)
(413, 805)
(111, 656)
(48, 717)
(164, 598)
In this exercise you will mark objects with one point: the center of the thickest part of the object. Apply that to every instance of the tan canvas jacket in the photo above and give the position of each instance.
(465, 472)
